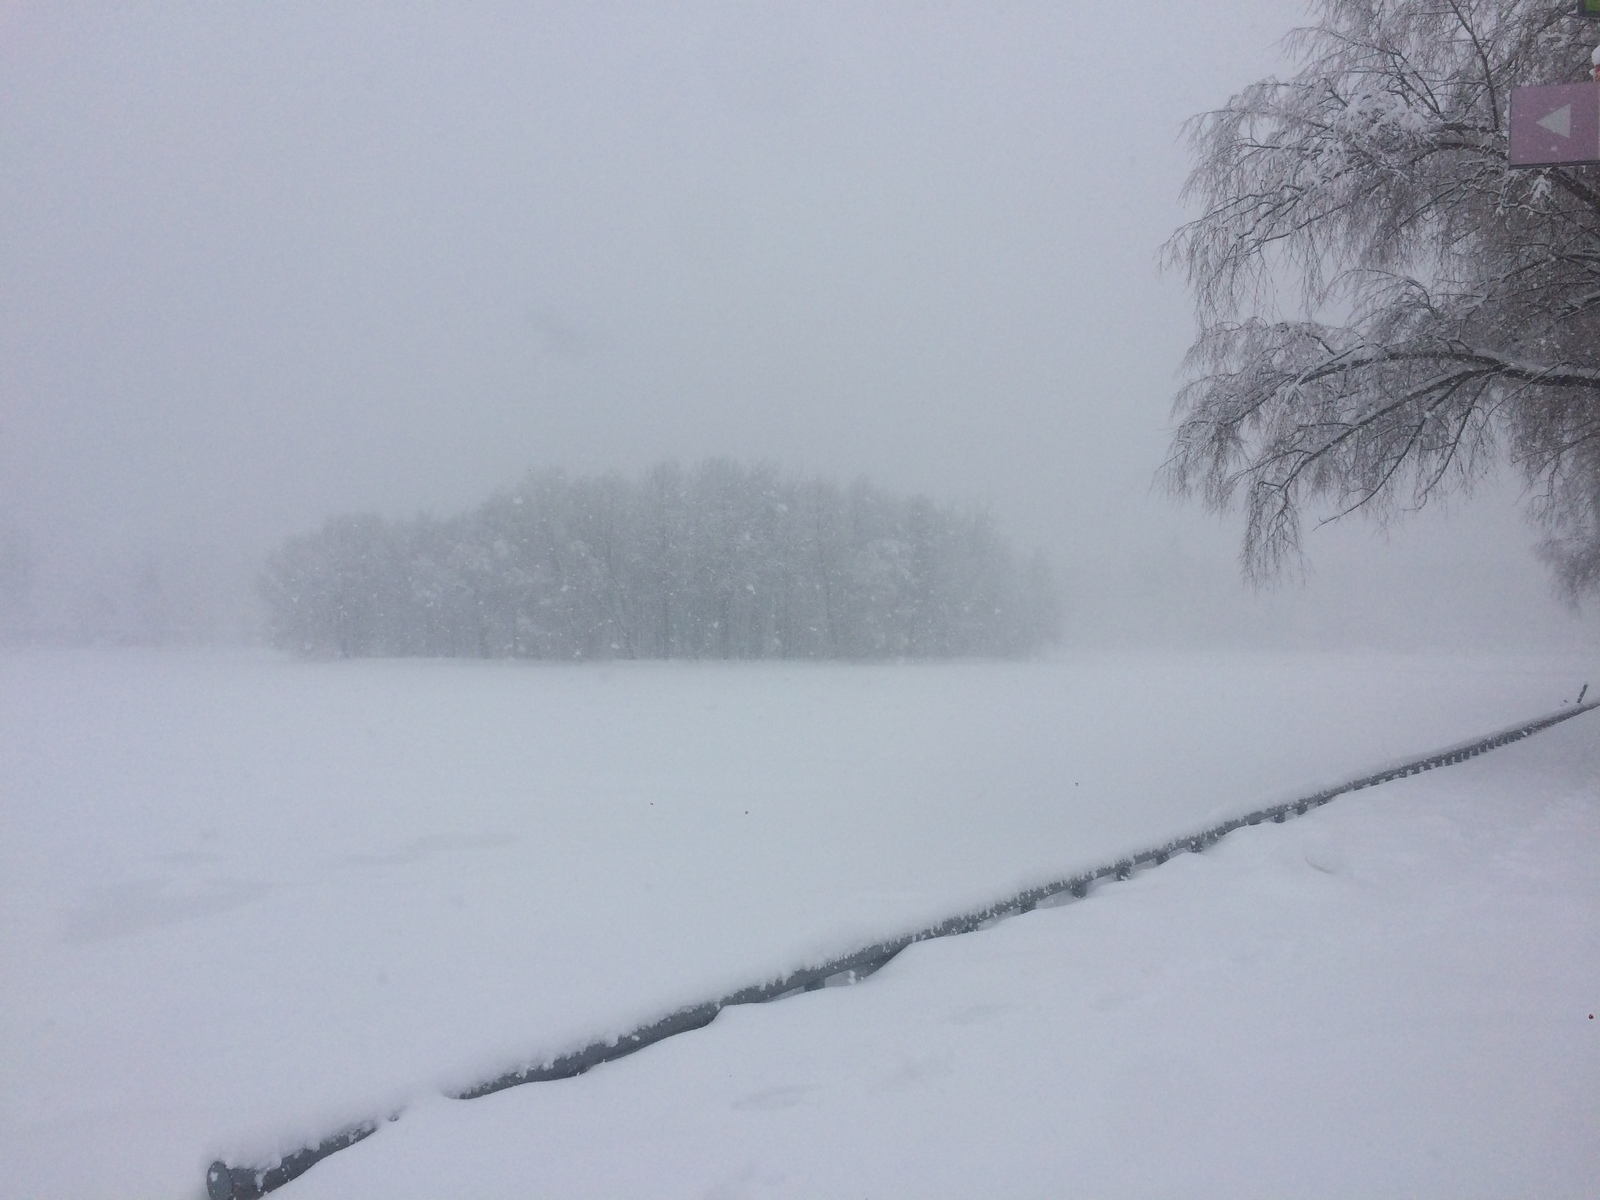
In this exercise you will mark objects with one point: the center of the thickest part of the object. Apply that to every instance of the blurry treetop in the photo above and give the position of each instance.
(720, 561)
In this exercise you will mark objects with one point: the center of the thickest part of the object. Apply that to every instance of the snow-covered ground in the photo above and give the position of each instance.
(245, 901)
(1390, 997)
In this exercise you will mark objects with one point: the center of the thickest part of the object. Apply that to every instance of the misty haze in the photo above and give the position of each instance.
(798, 600)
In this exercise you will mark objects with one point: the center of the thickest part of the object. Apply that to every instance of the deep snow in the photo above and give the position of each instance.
(1388, 997)
(245, 900)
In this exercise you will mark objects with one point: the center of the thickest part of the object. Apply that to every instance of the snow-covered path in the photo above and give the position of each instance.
(1392, 996)
(245, 901)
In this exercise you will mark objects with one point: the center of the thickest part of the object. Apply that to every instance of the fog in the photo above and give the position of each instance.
(264, 263)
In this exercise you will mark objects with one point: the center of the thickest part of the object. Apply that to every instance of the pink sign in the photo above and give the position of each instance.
(1555, 125)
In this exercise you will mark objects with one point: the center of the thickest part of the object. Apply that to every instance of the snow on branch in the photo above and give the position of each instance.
(1445, 304)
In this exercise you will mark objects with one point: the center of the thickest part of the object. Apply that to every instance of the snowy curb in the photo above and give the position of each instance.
(225, 1182)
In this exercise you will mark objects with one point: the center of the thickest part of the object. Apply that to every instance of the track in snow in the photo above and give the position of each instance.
(224, 1182)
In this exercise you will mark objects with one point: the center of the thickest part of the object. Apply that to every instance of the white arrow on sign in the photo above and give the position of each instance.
(1558, 122)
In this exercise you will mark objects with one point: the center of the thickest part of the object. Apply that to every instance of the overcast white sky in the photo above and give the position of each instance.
(262, 262)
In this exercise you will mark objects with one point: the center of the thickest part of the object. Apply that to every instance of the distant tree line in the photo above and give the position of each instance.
(720, 561)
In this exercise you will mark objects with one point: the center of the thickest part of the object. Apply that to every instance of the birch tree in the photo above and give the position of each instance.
(1441, 311)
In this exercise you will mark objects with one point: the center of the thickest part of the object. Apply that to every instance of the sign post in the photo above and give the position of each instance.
(1555, 126)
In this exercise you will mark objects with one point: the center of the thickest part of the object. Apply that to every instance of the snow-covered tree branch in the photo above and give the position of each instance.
(1385, 307)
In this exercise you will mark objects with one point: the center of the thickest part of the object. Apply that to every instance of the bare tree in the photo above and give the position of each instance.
(1444, 310)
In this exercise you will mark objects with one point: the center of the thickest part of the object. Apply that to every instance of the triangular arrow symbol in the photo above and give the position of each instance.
(1558, 122)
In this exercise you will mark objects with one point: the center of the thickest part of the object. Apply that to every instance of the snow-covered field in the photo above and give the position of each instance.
(245, 901)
